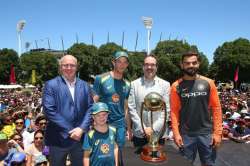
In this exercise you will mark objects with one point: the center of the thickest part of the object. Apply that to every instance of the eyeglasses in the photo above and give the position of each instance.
(149, 65)
(38, 138)
(17, 139)
(42, 123)
(19, 123)
(68, 66)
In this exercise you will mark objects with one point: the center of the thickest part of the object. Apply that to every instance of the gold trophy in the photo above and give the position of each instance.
(153, 105)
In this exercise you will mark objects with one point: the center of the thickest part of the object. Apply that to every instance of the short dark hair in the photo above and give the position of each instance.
(18, 134)
(39, 118)
(190, 53)
(38, 131)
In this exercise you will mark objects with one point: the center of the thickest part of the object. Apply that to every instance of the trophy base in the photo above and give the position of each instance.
(155, 154)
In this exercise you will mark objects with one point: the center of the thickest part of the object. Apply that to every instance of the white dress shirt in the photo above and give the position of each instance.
(71, 86)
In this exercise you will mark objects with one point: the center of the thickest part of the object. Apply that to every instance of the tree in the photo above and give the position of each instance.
(86, 56)
(231, 55)
(204, 64)
(135, 65)
(212, 72)
(8, 57)
(167, 69)
(169, 54)
(105, 55)
(45, 65)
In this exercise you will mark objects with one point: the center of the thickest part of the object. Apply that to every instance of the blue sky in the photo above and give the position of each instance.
(205, 23)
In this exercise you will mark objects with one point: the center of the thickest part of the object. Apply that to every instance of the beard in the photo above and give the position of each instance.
(190, 71)
(149, 74)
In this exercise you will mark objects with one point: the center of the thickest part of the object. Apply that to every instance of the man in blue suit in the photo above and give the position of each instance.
(66, 103)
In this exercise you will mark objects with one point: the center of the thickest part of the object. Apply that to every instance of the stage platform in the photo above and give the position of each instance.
(229, 154)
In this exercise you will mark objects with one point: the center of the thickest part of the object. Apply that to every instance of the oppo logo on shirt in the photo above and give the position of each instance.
(193, 94)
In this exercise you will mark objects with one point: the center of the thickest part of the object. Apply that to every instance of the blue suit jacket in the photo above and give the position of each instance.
(63, 113)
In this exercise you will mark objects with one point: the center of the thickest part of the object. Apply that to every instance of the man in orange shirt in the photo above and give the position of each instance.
(195, 112)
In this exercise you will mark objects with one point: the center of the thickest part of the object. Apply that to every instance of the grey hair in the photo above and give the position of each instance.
(65, 56)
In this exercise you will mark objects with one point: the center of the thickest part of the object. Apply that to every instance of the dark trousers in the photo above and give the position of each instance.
(58, 155)
(200, 144)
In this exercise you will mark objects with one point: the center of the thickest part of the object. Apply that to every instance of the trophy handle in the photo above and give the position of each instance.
(142, 104)
(165, 120)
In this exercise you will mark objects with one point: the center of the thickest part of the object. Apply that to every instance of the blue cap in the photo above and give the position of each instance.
(18, 157)
(99, 107)
(119, 54)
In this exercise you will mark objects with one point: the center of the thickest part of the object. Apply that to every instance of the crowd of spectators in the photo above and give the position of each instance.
(236, 115)
(22, 126)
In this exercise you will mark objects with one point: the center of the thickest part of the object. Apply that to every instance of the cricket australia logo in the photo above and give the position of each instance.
(105, 148)
(115, 98)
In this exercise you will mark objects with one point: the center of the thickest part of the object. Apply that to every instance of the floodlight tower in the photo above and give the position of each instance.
(148, 21)
(19, 28)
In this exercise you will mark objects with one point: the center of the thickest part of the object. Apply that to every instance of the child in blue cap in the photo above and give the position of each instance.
(99, 145)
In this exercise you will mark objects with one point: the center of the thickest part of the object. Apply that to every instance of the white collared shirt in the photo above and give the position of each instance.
(71, 86)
